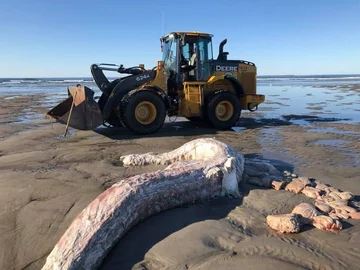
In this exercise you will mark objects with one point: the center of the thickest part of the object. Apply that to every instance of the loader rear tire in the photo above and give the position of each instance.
(223, 110)
(143, 112)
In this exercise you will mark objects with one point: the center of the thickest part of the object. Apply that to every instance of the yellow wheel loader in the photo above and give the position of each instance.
(188, 82)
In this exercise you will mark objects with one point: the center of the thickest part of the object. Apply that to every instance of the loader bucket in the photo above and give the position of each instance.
(80, 109)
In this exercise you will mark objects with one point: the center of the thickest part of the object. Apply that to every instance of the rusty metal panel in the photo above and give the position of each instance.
(86, 114)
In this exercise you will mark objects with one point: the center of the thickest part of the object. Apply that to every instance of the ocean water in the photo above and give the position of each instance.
(57, 85)
(285, 95)
(55, 88)
(41, 85)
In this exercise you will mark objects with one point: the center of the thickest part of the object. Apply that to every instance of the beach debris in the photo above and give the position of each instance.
(278, 184)
(200, 169)
(323, 207)
(326, 199)
(331, 205)
(306, 211)
(284, 223)
(335, 195)
(355, 215)
(259, 168)
(261, 181)
(327, 223)
(340, 215)
(349, 209)
(260, 174)
(311, 192)
(344, 211)
(298, 184)
(337, 203)
(320, 185)
(345, 195)
(338, 195)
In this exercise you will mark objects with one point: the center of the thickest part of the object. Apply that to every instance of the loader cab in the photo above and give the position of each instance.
(187, 56)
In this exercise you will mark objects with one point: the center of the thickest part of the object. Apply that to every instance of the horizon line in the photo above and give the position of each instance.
(50, 77)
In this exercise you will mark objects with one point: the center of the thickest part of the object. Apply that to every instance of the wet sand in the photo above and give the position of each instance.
(46, 180)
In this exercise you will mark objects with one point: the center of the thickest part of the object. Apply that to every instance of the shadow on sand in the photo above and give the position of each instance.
(132, 248)
(187, 128)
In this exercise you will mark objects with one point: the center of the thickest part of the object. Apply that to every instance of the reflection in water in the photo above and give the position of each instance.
(334, 131)
(298, 101)
(28, 117)
(238, 129)
(271, 147)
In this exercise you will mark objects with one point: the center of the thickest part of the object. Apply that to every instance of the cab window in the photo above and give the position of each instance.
(170, 53)
(205, 57)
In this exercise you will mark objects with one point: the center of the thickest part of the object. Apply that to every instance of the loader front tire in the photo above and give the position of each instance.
(143, 112)
(223, 110)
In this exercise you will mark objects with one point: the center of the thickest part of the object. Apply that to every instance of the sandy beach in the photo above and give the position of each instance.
(46, 180)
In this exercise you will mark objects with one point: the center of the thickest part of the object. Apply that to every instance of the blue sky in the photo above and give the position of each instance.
(59, 38)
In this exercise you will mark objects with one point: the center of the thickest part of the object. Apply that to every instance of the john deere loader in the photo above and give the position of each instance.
(187, 82)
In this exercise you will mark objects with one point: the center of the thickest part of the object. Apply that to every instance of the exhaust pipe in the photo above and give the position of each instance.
(222, 55)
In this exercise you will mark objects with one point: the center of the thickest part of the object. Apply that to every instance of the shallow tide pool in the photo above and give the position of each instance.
(310, 101)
